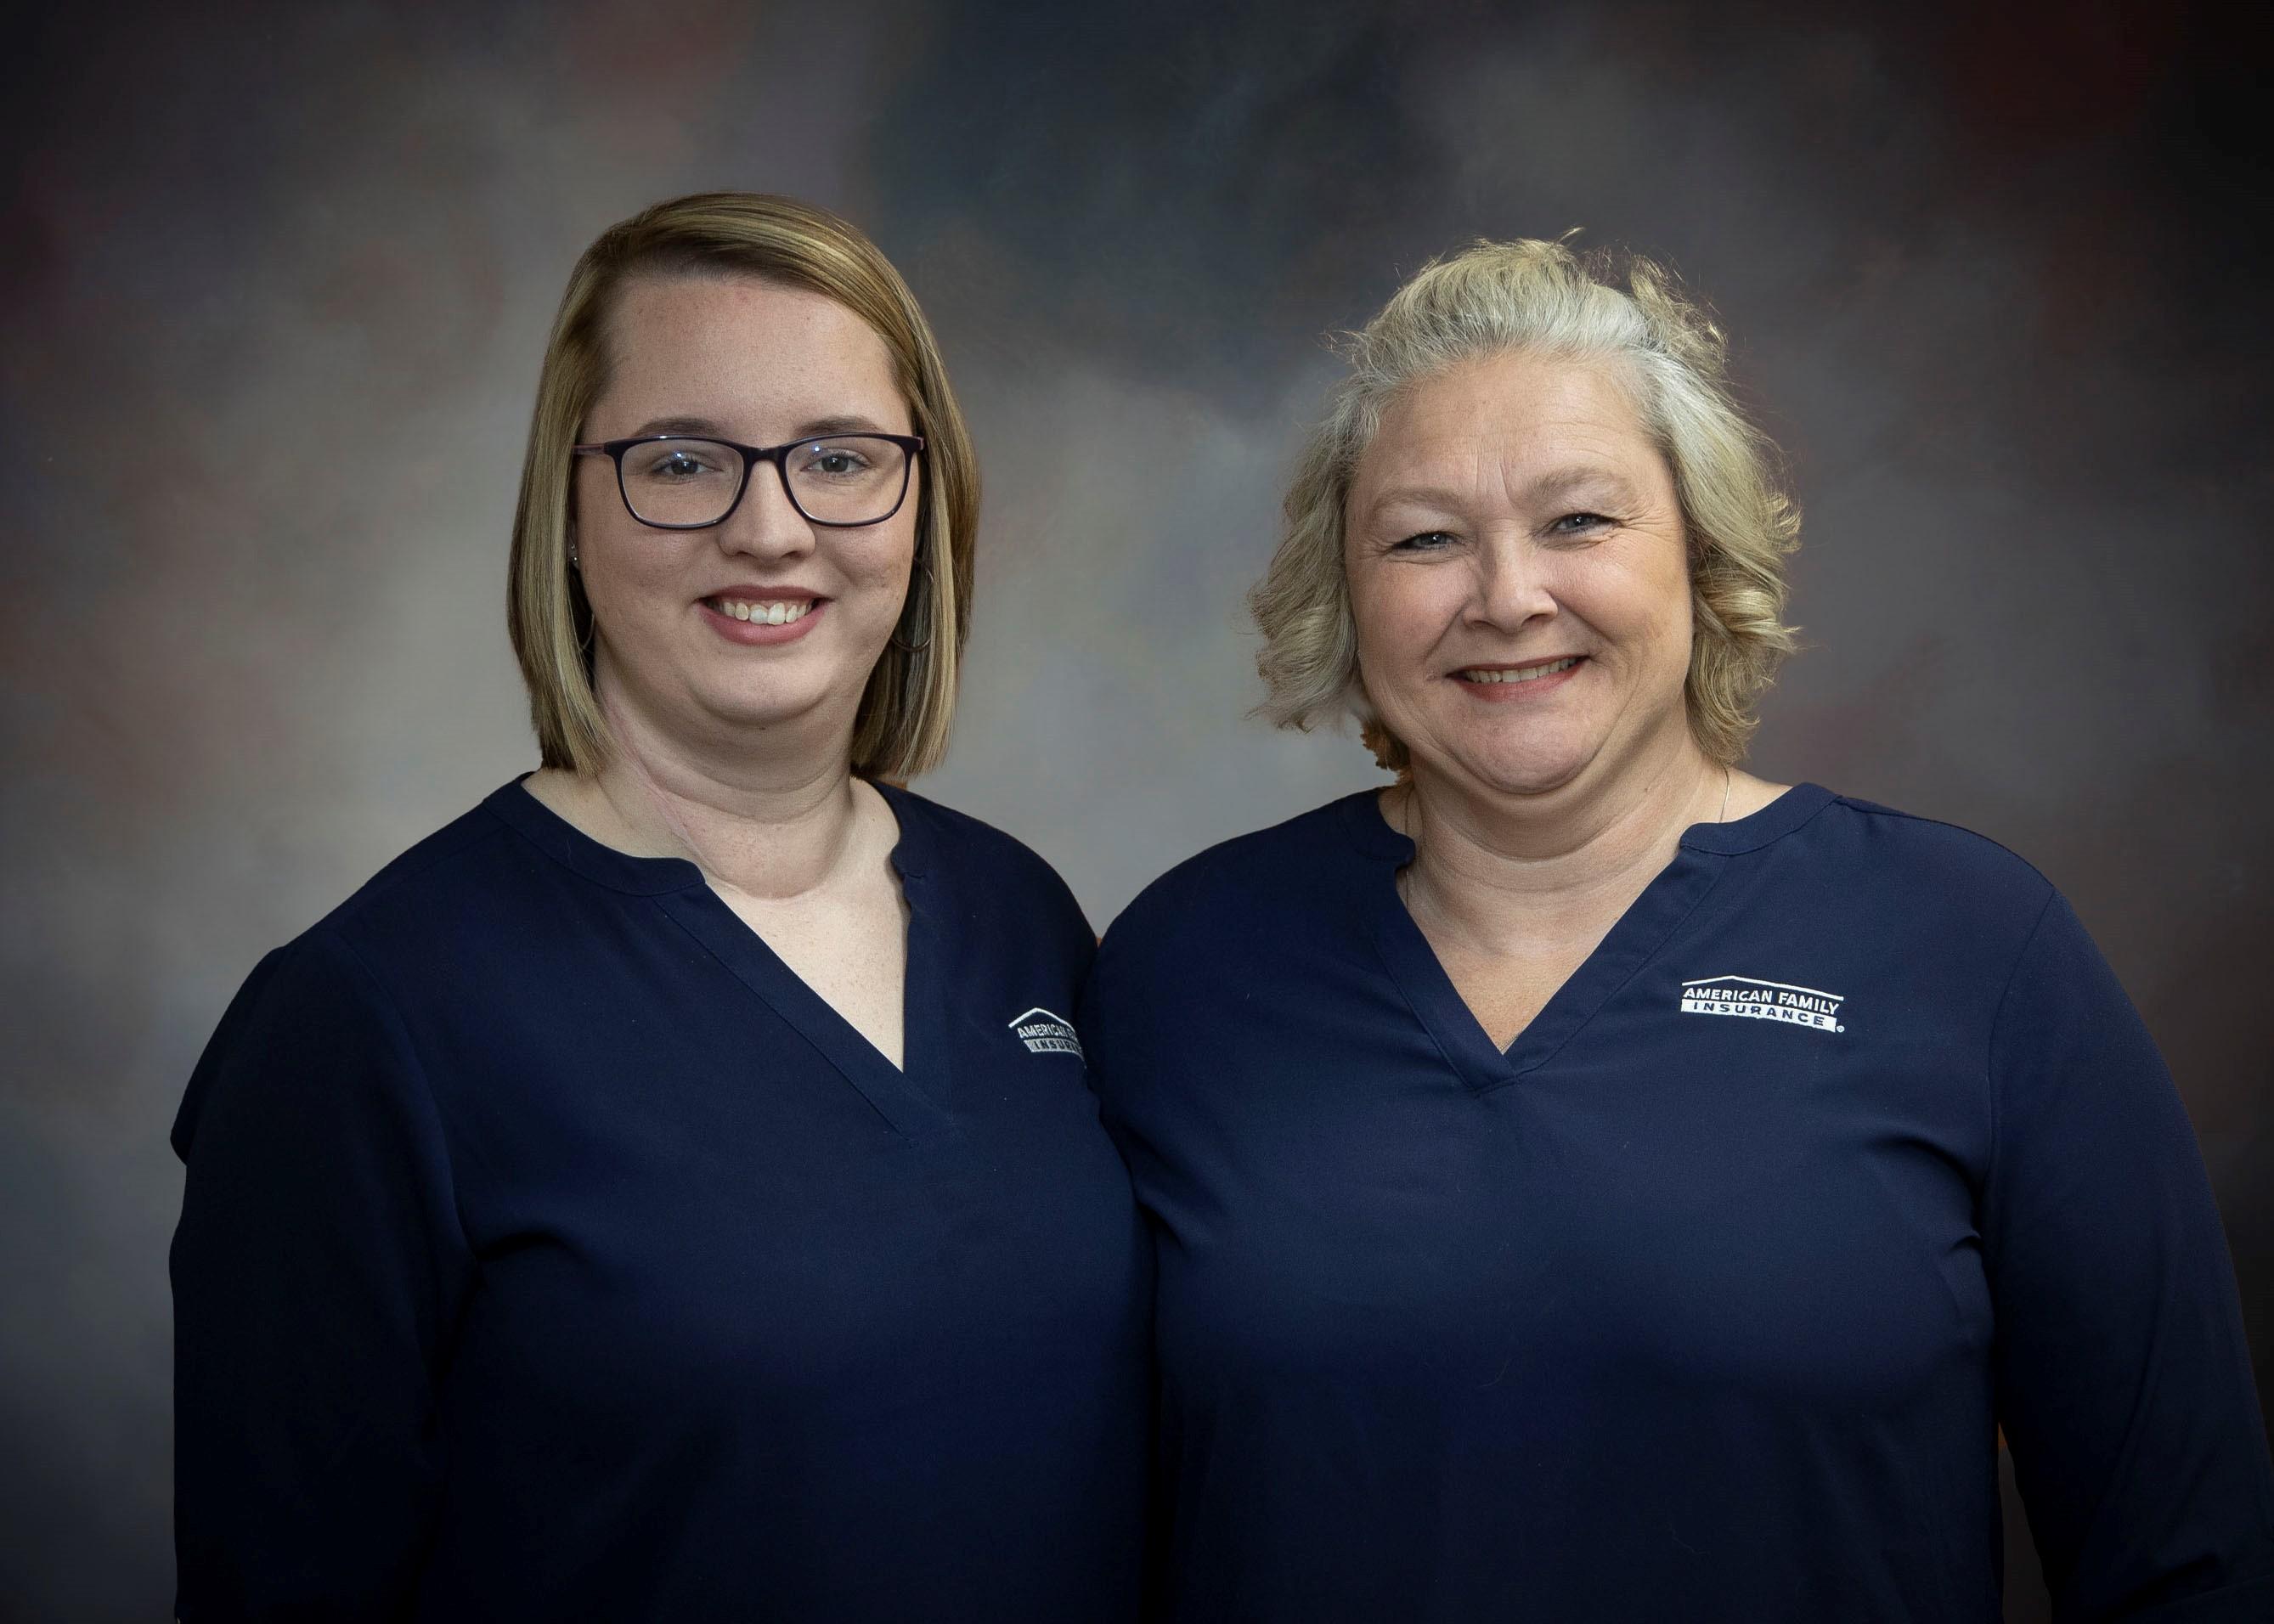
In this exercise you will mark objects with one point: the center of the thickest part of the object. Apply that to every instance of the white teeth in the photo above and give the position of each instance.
(1527, 673)
(771, 612)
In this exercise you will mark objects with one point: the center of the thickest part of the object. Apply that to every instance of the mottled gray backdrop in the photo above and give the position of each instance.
(275, 281)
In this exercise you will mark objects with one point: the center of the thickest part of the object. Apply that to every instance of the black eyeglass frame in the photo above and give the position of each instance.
(614, 449)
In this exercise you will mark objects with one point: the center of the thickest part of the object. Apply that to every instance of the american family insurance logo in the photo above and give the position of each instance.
(1045, 1034)
(1749, 998)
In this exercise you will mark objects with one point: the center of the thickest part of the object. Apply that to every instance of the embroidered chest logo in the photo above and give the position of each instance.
(1045, 1034)
(1749, 997)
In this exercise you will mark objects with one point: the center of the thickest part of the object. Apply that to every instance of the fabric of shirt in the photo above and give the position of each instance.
(550, 1251)
(1705, 1300)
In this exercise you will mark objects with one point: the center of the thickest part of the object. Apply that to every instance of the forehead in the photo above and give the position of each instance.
(722, 345)
(1509, 410)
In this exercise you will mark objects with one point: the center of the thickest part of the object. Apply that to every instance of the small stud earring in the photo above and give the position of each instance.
(572, 557)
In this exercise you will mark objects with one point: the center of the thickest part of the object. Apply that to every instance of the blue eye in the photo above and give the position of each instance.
(1572, 523)
(1425, 541)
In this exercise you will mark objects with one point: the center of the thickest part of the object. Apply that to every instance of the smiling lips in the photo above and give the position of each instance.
(762, 611)
(753, 616)
(1502, 677)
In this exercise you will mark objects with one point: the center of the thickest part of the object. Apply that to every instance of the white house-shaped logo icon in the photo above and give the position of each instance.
(1045, 1034)
(1751, 998)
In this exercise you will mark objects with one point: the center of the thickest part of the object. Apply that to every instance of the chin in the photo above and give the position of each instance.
(1533, 765)
(778, 705)
(776, 689)
(1530, 776)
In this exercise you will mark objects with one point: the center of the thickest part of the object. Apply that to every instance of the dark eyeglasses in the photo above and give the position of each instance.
(673, 482)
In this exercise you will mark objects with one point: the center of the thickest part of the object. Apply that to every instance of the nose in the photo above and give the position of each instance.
(765, 524)
(1511, 582)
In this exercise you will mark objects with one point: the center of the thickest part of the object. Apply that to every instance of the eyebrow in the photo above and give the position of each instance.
(1564, 481)
(1550, 486)
(813, 428)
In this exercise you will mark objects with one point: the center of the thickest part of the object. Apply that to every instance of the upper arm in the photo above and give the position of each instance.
(318, 1270)
(2123, 1382)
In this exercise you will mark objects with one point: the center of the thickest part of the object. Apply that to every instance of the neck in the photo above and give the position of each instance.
(1508, 872)
(772, 816)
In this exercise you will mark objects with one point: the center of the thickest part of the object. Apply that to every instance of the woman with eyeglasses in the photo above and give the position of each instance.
(672, 1191)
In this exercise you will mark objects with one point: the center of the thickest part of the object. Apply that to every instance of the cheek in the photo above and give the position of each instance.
(879, 563)
(625, 580)
(1645, 601)
(1672, 616)
(594, 506)
(612, 562)
(1400, 616)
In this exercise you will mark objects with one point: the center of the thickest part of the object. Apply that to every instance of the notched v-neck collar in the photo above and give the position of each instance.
(912, 855)
(1630, 943)
(571, 847)
(678, 887)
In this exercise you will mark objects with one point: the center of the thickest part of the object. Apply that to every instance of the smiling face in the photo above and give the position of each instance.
(767, 621)
(1518, 577)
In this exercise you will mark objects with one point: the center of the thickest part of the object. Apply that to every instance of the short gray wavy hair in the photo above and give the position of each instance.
(1542, 297)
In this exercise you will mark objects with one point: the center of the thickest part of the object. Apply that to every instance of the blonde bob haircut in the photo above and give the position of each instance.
(901, 728)
(1543, 298)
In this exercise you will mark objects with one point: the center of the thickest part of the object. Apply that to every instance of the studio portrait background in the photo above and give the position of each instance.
(277, 281)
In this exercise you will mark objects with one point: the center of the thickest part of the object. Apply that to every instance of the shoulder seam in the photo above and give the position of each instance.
(1865, 809)
(1997, 1015)
(391, 1009)
(1231, 847)
(394, 874)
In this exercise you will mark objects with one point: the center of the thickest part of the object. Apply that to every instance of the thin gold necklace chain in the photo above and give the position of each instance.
(1725, 795)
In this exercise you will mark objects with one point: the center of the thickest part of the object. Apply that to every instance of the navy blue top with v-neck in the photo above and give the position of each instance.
(1705, 1300)
(551, 1250)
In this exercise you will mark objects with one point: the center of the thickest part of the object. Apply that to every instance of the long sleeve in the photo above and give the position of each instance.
(2123, 1381)
(318, 1273)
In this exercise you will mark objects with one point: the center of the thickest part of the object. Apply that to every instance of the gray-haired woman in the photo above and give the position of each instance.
(1589, 1181)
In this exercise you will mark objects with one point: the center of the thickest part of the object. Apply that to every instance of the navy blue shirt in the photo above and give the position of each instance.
(550, 1251)
(1704, 1300)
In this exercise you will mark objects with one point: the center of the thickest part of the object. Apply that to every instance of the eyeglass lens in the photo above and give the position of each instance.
(845, 479)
